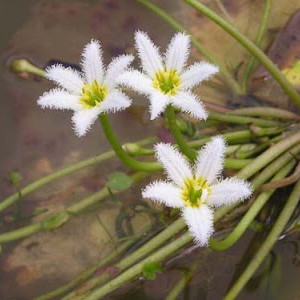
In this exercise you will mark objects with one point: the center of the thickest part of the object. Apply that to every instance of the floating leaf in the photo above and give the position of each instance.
(119, 181)
(15, 178)
(151, 269)
(55, 220)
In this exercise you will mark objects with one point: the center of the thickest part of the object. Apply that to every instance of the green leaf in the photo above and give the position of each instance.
(15, 178)
(119, 181)
(151, 269)
(55, 220)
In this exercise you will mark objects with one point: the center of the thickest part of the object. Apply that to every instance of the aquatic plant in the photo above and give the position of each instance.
(261, 145)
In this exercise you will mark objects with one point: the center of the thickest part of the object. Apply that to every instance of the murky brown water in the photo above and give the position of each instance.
(36, 142)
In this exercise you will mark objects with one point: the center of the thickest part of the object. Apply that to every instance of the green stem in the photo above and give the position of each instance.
(252, 48)
(223, 70)
(224, 10)
(167, 250)
(180, 285)
(179, 139)
(157, 256)
(236, 164)
(245, 173)
(233, 149)
(258, 40)
(237, 137)
(63, 172)
(268, 243)
(275, 166)
(85, 275)
(74, 209)
(258, 149)
(163, 252)
(261, 161)
(227, 117)
(268, 112)
(232, 137)
(135, 270)
(124, 157)
(250, 215)
(20, 233)
(269, 155)
(132, 258)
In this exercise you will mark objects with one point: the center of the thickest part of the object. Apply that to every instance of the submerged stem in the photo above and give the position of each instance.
(268, 243)
(180, 285)
(250, 215)
(252, 48)
(132, 258)
(270, 112)
(228, 117)
(74, 209)
(63, 172)
(231, 137)
(164, 252)
(269, 155)
(157, 256)
(258, 40)
(83, 276)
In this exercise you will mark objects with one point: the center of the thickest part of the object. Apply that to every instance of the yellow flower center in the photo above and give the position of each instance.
(167, 81)
(195, 191)
(93, 94)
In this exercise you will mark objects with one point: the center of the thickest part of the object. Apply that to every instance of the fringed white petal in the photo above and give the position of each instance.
(197, 73)
(178, 52)
(115, 101)
(158, 103)
(92, 64)
(66, 78)
(148, 53)
(175, 165)
(137, 81)
(116, 68)
(189, 103)
(210, 159)
(59, 99)
(165, 193)
(229, 191)
(200, 223)
(83, 120)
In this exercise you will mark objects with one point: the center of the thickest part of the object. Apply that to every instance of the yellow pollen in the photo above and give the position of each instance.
(195, 191)
(167, 81)
(93, 94)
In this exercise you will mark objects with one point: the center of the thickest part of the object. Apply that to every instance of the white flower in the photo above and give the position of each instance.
(90, 93)
(198, 190)
(168, 82)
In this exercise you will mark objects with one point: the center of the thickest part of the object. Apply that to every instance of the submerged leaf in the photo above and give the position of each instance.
(151, 269)
(119, 181)
(15, 178)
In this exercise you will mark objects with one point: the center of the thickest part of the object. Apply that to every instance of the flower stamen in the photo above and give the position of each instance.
(93, 94)
(167, 81)
(195, 191)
